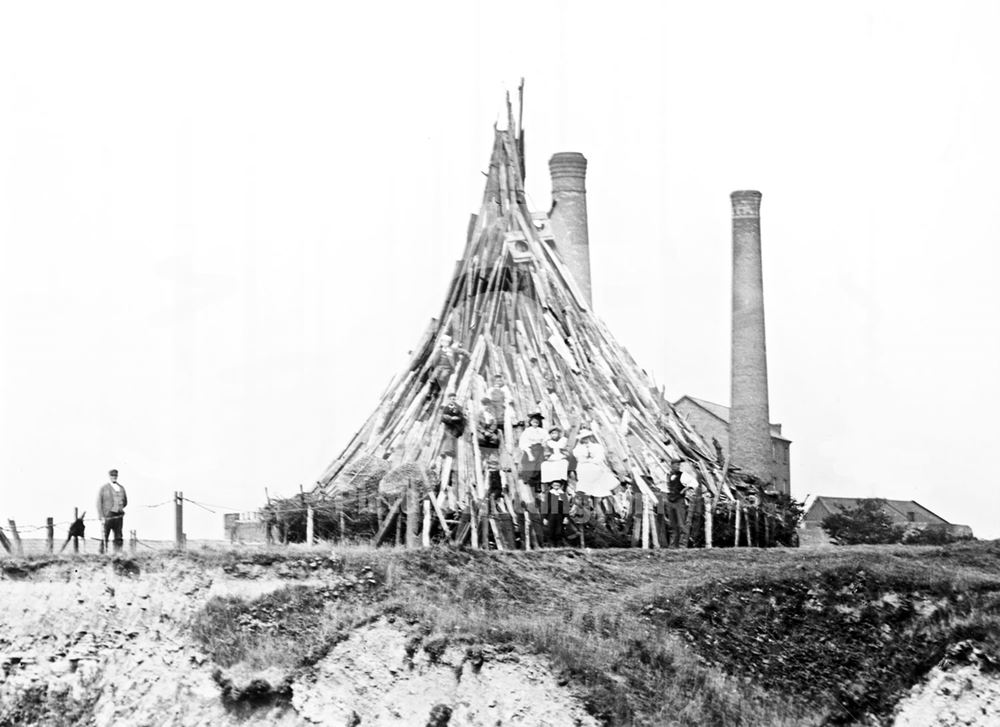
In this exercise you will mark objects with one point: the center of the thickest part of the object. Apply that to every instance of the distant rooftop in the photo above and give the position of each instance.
(722, 412)
(898, 510)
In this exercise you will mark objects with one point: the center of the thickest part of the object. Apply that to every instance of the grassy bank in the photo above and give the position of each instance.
(734, 637)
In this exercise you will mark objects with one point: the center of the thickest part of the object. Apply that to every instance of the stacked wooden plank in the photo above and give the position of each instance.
(514, 310)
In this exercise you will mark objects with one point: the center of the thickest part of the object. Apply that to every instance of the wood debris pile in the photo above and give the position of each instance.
(515, 329)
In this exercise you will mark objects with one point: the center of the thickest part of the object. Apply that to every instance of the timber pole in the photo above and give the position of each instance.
(413, 519)
(179, 520)
(16, 537)
(50, 535)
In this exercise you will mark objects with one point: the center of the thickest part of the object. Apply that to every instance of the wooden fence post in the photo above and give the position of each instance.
(50, 534)
(736, 527)
(16, 537)
(709, 514)
(412, 516)
(310, 526)
(427, 524)
(76, 540)
(179, 520)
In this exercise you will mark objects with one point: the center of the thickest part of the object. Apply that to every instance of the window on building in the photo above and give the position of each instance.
(911, 516)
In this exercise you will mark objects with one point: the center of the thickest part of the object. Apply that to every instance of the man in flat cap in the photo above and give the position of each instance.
(111, 502)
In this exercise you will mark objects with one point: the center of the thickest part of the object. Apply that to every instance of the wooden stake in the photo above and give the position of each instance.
(50, 533)
(484, 527)
(76, 540)
(527, 530)
(399, 521)
(310, 526)
(645, 524)
(387, 522)
(736, 527)
(427, 524)
(440, 515)
(16, 537)
(412, 515)
(654, 536)
(709, 514)
(497, 536)
(179, 520)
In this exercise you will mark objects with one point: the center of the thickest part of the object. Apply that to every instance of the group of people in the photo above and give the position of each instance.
(562, 477)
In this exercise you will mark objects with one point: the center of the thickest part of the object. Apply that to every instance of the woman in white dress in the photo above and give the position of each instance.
(555, 464)
(594, 478)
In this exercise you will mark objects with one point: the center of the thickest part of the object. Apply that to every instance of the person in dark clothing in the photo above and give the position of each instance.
(532, 446)
(444, 363)
(555, 508)
(487, 427)
(676, 507)
(494, 481)
(453, 418)
(111, 502)
(498, 400)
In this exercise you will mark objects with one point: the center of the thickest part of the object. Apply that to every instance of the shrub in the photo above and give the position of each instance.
(867, 523)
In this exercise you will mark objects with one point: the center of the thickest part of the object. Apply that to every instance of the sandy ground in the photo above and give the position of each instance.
(964, 689)
(99, 642)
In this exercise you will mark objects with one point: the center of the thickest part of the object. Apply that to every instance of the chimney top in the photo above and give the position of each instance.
(746, 203)
(568, 170)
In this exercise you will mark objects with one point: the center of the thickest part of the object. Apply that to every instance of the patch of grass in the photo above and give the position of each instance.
(290, 627)
(722, 637)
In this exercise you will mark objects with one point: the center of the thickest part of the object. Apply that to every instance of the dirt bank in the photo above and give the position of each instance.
(445, 637)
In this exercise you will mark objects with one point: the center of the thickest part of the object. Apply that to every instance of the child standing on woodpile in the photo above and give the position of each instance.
(453, 418)
(444, 363)
(498, 400)
(487, 427)
(532, 446)
(554, 475)
(593, 477)
(555, 465)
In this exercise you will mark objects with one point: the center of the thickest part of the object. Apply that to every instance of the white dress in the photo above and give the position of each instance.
(555, 464)
(593, 477)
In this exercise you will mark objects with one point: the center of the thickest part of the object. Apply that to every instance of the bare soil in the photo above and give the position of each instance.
(443, 637)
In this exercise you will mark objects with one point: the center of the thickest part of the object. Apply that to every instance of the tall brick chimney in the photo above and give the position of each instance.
(749, 422)
(568, 216)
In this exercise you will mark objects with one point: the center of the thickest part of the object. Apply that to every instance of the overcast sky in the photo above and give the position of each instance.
(224, 225)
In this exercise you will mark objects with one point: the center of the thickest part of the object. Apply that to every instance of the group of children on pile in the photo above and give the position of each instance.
(567, 482)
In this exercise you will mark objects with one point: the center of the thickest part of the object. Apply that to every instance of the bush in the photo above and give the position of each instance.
(932, 535)
(867, 523)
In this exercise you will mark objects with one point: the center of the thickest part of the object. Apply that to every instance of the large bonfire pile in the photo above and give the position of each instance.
(513, 314)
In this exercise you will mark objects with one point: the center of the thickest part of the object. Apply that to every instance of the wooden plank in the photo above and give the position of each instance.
(440, 515)
(387, 523)
(462, 529)
(503, 530)
(426, 539)
(16, 536)
(497, 537)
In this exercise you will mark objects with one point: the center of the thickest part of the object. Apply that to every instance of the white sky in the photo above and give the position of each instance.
(223, 225)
